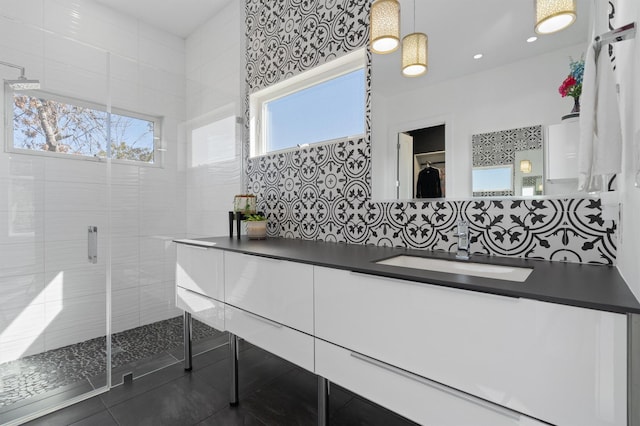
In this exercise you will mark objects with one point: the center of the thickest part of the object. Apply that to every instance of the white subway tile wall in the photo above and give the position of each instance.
(214, 87)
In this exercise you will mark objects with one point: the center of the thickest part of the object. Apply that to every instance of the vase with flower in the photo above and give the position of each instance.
(572, 86)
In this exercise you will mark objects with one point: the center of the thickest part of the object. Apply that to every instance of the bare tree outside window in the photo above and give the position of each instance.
(42, 124)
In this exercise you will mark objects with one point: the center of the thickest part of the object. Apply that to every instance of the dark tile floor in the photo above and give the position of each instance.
(272, 392)
(40, 381)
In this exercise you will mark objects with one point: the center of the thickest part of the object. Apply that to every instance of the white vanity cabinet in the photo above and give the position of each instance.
(205, 309)
(287, 343)
(560, 364)
(420, 400)
(201, 270)
(437, 355)
(279, 290)
(199, 283)
(270, 304)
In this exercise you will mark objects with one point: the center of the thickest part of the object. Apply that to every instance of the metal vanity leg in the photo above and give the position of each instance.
(187, 341)
(323, 401)
(233, 356)
(633, 369)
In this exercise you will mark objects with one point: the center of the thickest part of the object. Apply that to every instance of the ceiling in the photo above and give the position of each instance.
(457, 30)
(178, 17)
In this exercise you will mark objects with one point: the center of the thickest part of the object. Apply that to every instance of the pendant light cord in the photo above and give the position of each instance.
(414, 16)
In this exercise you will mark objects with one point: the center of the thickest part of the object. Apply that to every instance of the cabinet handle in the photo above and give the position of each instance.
(263, 319)
(193, 292)
(439, 386)
(189, 290)
(441, 287)
(193, 246)
(92, 244)
(206, 296)
(269, 259)
(196, 243)
(383, 278)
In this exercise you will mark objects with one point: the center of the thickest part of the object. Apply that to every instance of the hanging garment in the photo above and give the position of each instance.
(429, 183)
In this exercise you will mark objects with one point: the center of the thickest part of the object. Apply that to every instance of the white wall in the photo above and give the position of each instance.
(520, 94)
(51, 295)
(214, 58)
(628, 66)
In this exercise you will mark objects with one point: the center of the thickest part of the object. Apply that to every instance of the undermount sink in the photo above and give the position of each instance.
(498, 272)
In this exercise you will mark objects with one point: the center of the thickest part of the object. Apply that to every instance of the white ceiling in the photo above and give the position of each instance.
(179, 17)
(456, 29)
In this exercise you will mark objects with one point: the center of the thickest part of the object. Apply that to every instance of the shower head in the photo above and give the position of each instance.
(21, 83)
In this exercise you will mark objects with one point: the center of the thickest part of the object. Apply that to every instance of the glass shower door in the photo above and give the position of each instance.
(54, 224)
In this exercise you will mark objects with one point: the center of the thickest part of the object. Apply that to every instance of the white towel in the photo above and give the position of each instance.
(600, 149)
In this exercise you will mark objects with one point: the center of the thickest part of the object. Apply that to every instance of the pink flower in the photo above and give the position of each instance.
(566, 86)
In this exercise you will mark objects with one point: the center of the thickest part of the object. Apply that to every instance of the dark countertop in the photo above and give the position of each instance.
(588, 286)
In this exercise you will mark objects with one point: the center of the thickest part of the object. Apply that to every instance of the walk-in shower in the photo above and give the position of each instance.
(95, 144)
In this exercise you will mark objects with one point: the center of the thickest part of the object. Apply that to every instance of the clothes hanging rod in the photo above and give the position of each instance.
(626, 32)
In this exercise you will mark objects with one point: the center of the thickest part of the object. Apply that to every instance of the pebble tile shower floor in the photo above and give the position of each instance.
(34, 375)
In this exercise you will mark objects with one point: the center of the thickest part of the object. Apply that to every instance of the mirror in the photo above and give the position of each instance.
(513, 86)
(508, 163)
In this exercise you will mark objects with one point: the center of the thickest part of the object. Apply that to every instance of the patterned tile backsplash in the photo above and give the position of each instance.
(324, 191)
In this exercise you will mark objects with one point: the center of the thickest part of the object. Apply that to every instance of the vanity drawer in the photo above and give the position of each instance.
(407, 394)
(561, 364)
(275, 289)
(205, 309)
(278, 339)
(200, 269)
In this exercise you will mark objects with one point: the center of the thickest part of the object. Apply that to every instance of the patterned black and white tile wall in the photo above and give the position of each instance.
(286, 37)
(324, 191)
(499, 148)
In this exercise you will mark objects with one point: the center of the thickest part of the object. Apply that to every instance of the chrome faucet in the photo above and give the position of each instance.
(463, 240)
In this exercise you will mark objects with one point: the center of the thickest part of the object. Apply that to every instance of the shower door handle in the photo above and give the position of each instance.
(92, 247)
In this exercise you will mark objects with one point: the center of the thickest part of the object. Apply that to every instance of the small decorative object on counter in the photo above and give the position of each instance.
(244, 203)
(572, 86)
(256, 226)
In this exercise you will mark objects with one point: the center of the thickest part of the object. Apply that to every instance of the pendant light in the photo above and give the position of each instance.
(554, 15)
(385, 26)
(414, 54)
(415, 49)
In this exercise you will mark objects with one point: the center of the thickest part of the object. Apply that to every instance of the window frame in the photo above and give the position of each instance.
(338, 67)
(158, 151)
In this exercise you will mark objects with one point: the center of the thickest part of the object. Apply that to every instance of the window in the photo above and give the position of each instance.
(46, 123)
(319, 105)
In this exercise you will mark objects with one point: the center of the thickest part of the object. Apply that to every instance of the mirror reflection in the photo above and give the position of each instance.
(513, 86)
(508, 163)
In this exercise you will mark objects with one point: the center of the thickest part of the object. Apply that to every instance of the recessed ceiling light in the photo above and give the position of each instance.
(478, 56)
(532, 39)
